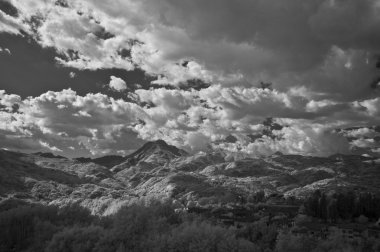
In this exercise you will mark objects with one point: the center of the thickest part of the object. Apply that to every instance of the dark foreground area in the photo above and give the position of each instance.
(157, 226)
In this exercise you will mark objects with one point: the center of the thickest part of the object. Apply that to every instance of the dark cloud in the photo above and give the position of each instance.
(32, 70)
(8, 8)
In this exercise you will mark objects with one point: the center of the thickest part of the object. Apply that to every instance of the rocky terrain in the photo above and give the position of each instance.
(160, 170)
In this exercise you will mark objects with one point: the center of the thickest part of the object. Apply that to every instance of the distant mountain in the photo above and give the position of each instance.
(50, 180)
(156, 152)
(161, 170)
(48, 155)
(106, 161)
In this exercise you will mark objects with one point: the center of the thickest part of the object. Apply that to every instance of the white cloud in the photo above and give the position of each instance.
(189, 119)
(49, 147)
(321, 73)
(317, 140)
(5, 50)
(361, 132)
(291, 43)
(117, 84)
(10, 24)
(364, 143)
(371, 106)
(216, 112)
(63, 119)
(217, 41)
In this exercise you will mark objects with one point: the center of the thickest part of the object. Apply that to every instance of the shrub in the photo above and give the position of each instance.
(76, 239)
(192, 237)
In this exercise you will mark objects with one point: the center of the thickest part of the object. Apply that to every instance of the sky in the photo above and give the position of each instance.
(100, 77)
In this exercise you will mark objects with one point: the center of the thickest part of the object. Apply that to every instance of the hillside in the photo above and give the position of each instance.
(106, 161)
(161, 170)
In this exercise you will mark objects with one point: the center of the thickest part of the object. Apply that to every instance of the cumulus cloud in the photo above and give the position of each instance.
(321, 56)
(194, 119)
(329, 48)
(363, 139)
(48, 147)
(75, 33)
(5, 50)
(199, 118)
(361, 132)
(371, 106)
(314, 139)
(117, 84)
(291, 43)
(60, 120)
(11, 24)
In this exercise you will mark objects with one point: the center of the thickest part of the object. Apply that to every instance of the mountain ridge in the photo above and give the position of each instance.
(161, 170)
(110, 161)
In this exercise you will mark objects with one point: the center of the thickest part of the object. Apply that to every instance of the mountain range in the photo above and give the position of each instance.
(160, 170)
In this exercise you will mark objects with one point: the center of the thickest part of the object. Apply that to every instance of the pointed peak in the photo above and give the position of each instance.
(160, 142)
(152, 147)
(158, 152)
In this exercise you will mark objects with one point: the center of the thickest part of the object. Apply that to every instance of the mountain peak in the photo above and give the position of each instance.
(155, 152)
(159, 145)
(160, 142)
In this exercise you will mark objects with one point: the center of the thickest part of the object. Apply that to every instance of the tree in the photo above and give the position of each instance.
(334, 243)
(332, 210)
(76, 239)
(322, 206)
(312, 204)
(193, 237)
(289, 242)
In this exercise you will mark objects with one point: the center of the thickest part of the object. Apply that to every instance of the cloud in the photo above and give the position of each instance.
(363, 139)
(371, 106)
(316, 140)
(212, 114)
(48, 147)
(5, 50)
(196, 120)
(292, 43)
(94, 123)
(361, 132)
(11, 24)
(320, 57)
(117, 84)
(75, 33)
(245, 41)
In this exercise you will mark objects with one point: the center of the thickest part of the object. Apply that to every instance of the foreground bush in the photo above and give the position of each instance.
(192, 237)
(144, 227)
(81, 239)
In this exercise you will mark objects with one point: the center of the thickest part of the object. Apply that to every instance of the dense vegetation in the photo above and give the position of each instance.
(347, 205)
(146, 226)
